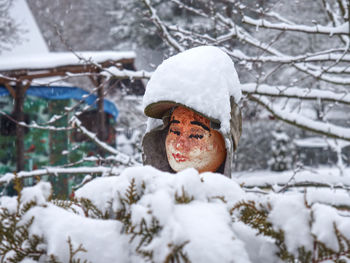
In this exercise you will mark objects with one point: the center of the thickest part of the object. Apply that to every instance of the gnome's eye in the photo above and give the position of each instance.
(176, 132)
(197, 136)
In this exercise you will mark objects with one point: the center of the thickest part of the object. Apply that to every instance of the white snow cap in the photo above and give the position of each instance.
(201, 78)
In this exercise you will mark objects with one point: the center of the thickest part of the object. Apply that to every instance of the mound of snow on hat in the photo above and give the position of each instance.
(202, 78)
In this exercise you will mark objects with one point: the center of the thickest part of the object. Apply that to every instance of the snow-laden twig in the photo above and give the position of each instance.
(187, 34)
(279, 17)
(316, 72)
(301, 185)
(56, 171)
(286, 186)
(342, 29)
(191, 9)
(86, 179)
(330, 55)
(63, 78)
(303, 62)
(303, 122)
(159, 23)
(334, 17)
(298, 178)
(35, 125)
(296, 92)
(118, 156)
(298, 62)
(114, 72)
(95, 159)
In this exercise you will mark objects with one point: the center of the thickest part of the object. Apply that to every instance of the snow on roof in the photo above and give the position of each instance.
(202, 78)
(57, 59)
(31, 39)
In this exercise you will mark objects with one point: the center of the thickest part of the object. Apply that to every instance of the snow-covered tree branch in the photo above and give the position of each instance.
(122, 158)
(302, 59)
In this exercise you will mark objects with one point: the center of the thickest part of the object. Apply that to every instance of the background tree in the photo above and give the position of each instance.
(282, 154)
(8, 29)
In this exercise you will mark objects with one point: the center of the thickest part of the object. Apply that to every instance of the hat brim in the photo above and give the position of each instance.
(158, 109)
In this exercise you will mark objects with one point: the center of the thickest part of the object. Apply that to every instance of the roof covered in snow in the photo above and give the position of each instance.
(31, 39)
(52, 60)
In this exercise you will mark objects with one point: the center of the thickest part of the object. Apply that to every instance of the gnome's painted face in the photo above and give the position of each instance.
(191, 142)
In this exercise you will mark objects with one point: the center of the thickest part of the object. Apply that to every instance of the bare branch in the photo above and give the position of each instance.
(296, 92)
(34, 125)
(302, 122)
(301, 62)
(56, 171)
(121, 157)
(114, 72)
(157, 21)
(317, 29)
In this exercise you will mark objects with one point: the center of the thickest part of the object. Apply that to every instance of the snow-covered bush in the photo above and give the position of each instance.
(145, 215)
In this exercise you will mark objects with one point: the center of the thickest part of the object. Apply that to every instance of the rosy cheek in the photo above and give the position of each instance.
(203, 145)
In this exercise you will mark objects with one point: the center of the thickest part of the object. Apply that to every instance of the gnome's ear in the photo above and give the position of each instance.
(235, 122)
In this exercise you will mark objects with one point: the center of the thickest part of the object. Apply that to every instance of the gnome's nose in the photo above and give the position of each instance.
(181, 143)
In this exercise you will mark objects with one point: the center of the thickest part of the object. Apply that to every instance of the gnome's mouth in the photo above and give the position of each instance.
(179, 158)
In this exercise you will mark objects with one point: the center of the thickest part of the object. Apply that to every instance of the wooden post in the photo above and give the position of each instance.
(101, 128)
(19, 101)
(58, 142)
(101, 119)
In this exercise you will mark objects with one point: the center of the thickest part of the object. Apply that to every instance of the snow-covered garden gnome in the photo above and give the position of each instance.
(195, 94)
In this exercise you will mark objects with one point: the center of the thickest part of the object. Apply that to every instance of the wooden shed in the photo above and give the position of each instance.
(30, 68)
